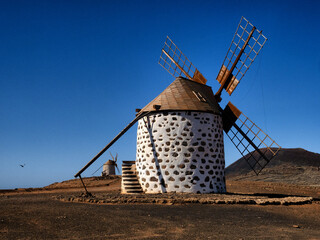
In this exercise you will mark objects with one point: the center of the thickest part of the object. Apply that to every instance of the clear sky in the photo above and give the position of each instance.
(72, 74)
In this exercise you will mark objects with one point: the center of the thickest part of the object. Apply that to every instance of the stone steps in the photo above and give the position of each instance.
(130, 183)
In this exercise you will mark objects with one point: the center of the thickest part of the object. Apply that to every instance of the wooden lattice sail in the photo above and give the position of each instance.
(256, 147)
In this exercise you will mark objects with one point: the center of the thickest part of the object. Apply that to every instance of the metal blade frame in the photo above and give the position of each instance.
(256, 147)
(251, 50)
(175, 62)
(111, 156)
(118, 169)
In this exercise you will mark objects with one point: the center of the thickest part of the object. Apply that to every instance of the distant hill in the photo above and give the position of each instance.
(291, 165)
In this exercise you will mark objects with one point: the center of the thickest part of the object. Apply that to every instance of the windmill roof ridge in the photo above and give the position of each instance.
(187, 79)
(185, 95)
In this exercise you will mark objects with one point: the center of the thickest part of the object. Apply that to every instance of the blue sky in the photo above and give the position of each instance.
(73, 72)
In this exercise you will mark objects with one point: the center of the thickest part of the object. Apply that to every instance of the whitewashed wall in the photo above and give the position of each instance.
(181, 152)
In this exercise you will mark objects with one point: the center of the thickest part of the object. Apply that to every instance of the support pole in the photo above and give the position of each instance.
(112, 142)
(87, 193)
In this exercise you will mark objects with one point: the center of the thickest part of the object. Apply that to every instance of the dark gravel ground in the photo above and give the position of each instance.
(40, 216)
(186, 198)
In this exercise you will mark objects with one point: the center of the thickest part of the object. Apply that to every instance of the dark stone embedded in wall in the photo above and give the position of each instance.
(153, 179)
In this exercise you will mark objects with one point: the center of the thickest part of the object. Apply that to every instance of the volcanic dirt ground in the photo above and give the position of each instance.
(56, 212)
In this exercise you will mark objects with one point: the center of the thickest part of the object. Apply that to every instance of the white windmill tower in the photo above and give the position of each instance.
(180, 133)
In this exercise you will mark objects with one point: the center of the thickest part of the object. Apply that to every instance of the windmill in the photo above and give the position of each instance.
(109, 167)
(180, 133)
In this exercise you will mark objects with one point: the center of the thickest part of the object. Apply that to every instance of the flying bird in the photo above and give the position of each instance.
(22, 165)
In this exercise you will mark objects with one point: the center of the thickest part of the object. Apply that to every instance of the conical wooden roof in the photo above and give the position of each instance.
(185, 95)
(109, 162)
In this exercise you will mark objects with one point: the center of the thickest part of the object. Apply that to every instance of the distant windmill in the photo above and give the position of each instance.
(109, 168)
(180, 144)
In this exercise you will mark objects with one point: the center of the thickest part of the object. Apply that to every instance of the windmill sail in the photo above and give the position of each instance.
(244, 48)
(256, 147)
(177, 64)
